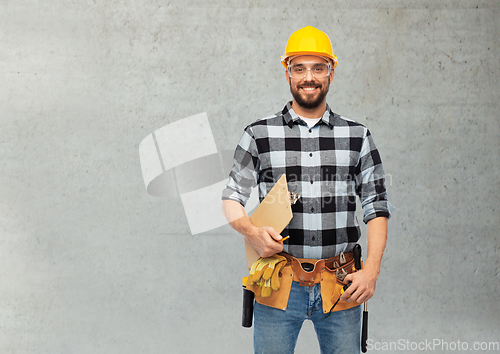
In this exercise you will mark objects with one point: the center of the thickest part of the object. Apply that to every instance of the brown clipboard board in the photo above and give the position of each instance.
(275, 211)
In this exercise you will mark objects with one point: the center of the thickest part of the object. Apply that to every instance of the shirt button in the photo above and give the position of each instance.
(310, 131)
(312, 209)
(310, 154)
(312, 181)
(313, 238)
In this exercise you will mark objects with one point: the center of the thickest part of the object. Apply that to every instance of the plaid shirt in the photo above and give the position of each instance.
(329, 165)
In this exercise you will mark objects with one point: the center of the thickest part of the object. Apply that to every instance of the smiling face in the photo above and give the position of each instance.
(309, 92)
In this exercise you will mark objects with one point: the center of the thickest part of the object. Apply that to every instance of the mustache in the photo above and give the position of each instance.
(309, 84)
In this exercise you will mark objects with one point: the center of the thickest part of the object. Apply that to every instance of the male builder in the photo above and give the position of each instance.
(328, 160)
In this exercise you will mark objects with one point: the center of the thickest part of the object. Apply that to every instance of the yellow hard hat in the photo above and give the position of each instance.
(308, 41)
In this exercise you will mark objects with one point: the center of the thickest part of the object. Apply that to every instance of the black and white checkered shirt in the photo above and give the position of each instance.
(329, 165)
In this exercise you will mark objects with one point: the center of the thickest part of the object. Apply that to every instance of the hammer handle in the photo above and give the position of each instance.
(357, 256)
(364, 333)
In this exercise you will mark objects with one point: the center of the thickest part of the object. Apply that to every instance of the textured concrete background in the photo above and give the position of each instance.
(90, 263)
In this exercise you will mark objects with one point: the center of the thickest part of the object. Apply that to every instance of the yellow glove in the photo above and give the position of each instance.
(264, 274)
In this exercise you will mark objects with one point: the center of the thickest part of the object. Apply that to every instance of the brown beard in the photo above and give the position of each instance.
(310, 104)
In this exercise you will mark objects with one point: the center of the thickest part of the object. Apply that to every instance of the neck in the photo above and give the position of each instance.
(309, 112)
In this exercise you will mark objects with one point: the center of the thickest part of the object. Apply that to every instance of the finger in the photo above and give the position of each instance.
(362, 294)
(275, 245)
(275, 280)
(348, 278)
(364, 298)
(272, 251)
(279, 247)
(350, 294)
(354, 297)
(274, 248)
(274, 235)
(345, 297)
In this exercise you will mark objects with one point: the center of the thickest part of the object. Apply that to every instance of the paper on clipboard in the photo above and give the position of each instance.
(275, 211)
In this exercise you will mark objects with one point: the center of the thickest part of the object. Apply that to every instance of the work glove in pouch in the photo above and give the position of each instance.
(264, 275)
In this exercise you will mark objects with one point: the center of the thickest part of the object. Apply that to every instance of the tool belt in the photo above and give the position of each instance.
(308, 272)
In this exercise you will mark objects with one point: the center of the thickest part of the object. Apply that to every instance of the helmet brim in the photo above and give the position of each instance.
(288, 56)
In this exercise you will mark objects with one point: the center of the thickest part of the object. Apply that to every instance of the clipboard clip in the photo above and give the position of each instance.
(293, 197)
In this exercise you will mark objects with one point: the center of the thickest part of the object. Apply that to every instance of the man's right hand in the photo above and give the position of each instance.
(265, 241)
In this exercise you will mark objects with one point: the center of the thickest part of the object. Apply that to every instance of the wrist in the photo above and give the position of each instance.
(250, 231)
(372, 268)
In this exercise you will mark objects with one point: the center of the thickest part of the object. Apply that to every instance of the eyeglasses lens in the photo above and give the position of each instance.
(318, 70)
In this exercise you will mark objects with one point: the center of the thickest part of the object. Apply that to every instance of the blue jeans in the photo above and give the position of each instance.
(276, 331)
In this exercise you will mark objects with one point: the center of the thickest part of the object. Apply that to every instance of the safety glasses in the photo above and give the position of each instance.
(318, 70)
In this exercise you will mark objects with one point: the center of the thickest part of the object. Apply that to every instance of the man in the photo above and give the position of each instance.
(328, 160)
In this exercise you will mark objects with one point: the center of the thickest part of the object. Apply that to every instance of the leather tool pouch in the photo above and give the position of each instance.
(331, 287)
(278, 299)
(322, 272)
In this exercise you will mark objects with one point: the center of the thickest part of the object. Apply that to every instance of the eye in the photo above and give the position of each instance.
(319, 69)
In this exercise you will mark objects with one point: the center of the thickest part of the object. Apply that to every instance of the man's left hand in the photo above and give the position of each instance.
(362, 287)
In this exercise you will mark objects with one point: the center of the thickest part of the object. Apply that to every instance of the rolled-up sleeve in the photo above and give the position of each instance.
(244, 173)
(370, 182)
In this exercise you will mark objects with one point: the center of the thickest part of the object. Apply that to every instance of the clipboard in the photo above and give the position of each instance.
(275, 211)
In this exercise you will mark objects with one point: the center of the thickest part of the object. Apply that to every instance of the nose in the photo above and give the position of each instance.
(309, 72)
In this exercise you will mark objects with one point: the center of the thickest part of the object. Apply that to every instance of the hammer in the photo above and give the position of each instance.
(364, 329)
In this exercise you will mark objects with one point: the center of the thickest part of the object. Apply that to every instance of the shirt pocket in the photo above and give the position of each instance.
(336, 176)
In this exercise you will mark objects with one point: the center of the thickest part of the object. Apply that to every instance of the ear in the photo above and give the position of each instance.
(332, 74)
(287, 76)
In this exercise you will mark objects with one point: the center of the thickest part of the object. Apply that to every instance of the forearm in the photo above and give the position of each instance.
(265, 239)
(364, 281)
(237, 217)
(377, 240)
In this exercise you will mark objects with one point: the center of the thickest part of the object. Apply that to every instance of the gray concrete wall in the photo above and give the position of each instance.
(91, 263)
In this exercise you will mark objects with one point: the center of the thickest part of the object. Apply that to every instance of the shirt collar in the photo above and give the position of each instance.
(291, 118)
